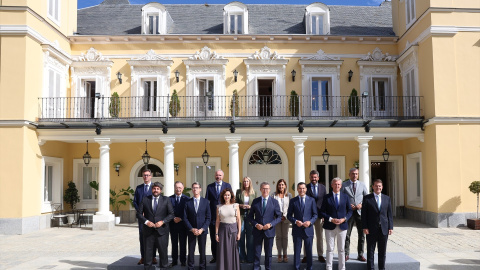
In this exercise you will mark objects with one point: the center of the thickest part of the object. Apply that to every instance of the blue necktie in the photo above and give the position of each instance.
(264, 205)
(178, 200)
(336, 200)
(315, 191)
(302, 204)
(379, 203)
(155, 204)
(146, 189)
(218, 189)
(196, 205)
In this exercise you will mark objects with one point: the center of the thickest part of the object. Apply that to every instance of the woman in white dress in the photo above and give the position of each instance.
(281, 230)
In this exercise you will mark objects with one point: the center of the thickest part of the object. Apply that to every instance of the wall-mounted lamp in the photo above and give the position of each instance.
(117, 166)
(87, 157)
(265, 154)
(350, 74)
(119, 77)
(294, 73)
(235, 74)
(325, 154)
(385, 153)
(146, 156)
(176, 166)
(205, 155)
(177, 75)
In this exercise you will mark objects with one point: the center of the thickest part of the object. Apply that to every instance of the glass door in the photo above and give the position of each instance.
(321, 96)
(206, 100)
(205, 175)
(327, 173)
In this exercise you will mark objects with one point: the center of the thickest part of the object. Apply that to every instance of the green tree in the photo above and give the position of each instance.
(475, 188)
(237, 107)
(354, 103)
(174, 107)
(294, 103)
(71, 196)
(115, 105)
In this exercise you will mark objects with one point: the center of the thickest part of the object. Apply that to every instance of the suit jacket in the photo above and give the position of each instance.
(239, 198)
(308, 214)
(164, 212)
(178, 209)
(199, 219)
(139, 194)
(372, 217)
(272, 215)
(329, 210)
(214, 200)
(361, 190)
(321, 192)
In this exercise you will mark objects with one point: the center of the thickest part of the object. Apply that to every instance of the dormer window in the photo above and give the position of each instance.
(154, 19)
(235, 19)
(317, 19)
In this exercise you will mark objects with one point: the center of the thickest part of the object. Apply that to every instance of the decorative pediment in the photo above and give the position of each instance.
(150, 59)
(265, 54)
(205, 54)
(320, 56)
(378, 56)
(92, 55)
(151, 55)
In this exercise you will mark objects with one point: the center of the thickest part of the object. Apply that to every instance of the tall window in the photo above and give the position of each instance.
(317, 24)
(414, 179)
(206, 95)
(153, 23)
(150, 96)
(54, 10)
(410, 101)
(378, 93)
(52, 182)
(154, 19)
(236, 24)
(48, 183)
(321, 92)
(204, 174)
(317, 19)
(410, 11)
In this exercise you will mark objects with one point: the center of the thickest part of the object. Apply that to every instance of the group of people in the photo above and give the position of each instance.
(241, 223)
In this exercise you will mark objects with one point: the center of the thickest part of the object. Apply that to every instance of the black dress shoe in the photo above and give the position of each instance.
(213, 260)
(304, 260)
(321, 259)
(183, 264)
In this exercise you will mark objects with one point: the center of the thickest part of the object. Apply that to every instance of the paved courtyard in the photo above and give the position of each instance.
(82, 248)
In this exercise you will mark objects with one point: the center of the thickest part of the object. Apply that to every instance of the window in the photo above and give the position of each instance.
(235, 18)
(154, 19)
(408, 64)
(317, 18)
(150, 99)
(83, 176)
(52, 103)
(153, 24)
(257, 157)
(321, 92)
(378, 93)
(410, 12)
(197, 171)
(334, 168)
(52, 182)
(414, 180)
(54, 10)
(206, 95)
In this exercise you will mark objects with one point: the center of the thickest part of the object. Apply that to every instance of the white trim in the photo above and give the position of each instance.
(17, 123)
(412, 198)
(333, 160)
(452, 120)
(57, 183)
(261, 145)
(413, 17)
(58, 10)
(77, 164)
(23, 30)
(399, 184)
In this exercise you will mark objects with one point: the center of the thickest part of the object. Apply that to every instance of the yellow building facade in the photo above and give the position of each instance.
(414, 64)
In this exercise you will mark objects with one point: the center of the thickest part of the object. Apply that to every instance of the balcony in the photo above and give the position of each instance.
(160, 110)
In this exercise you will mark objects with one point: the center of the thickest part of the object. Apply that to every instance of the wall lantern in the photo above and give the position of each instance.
(205, 155)
(119, 77)
(265, 155)
(177, 75)
(294, 73)
(350, 75)
(117, 166)
(325, 154)
(235, 74)
(146, 156)
(176, 166)
(87, 157)
(385, 153)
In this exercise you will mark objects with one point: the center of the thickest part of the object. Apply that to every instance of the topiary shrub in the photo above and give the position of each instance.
(354, 103)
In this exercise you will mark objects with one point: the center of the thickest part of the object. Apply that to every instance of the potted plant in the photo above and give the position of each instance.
(237, 107)
(174, 106)
(115, 105)
(116, 200)
(71, 197)
(294, 104)
(474, 223)
(354, 103)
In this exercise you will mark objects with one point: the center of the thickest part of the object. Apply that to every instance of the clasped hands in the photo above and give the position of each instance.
(155, 225)
(338, 221)
(196, 232)
(263, 227)
(356, 207)
(305, 224)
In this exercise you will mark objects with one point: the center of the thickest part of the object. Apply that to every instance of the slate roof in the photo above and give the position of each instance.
(118, 17)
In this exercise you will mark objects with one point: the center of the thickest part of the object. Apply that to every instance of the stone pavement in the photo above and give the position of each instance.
(82, 248)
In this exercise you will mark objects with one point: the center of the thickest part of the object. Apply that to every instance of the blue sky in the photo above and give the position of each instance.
(88, 3)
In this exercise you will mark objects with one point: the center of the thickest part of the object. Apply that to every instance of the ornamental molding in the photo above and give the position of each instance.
(370, 70)
(150, 59)
(378, 56)
(148, 70)
(265, 53)
(92, 55)
(266, 69)
(51, 61)
(206, 69)
(89, 71)
(151, 55)
(321, 55)
(55, 55)
(409, 59)
(320, 69)
(205, 54)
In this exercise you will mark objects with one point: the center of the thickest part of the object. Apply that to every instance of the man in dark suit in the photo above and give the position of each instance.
(377, 223)
(302, 213)
(336, 211)
(263, 216)
(213, 196)
(155, 212)
(141, 191)
(197, 218)
(178, 231)
(317, 191)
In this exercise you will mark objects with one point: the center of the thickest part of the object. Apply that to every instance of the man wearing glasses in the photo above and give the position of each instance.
(141, 191)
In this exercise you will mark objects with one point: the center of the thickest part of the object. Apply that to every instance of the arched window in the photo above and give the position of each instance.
(317, 19)
(257, 157)
(154, 19)
(235, 18)
(156, 171)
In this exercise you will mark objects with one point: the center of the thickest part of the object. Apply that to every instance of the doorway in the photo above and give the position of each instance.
(385, 172)
(90, 88)
(265, 91)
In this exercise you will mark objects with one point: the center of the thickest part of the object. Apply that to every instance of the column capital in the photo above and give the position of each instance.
(233, 139)
(167, 140)
(299, 139)
(103, 141)
(363, 139)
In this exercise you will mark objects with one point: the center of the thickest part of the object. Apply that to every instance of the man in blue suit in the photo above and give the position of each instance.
(213, 196)
(377, 223)
(197, 216)
(317, 191)
(302, 213)
(263, 216)
(336, 211)
(178, 231)
(141, 191)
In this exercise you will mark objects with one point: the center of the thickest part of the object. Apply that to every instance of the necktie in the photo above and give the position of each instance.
(315, 191)
(264, 205)
(218, 189)
(336, 200)
(196, 205)
(379, 203)
(178, 200)
(146, 189)
(155, 204)
(354, 188)
(302, 203)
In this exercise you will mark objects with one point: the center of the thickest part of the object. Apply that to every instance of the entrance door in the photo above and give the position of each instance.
(321, 96)
(206, 100)
(150, 100)
(89, 102)
(327, 174)
(385, 172)
(157, 174)
(260, 171)
(203, 174)
(265, 91)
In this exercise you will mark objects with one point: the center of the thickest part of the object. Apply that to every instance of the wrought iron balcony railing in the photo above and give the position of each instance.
(229, 108)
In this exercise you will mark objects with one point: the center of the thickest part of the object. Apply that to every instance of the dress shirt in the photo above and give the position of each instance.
(378, 198)
(153, 206)
(338, 198)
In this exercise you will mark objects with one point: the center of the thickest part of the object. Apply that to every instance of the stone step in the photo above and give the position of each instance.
(395, 261)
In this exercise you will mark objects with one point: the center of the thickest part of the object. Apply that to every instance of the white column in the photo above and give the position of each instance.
(168, 170)
(234, 164)
(104, 219)
(299, 159)
(363, 160)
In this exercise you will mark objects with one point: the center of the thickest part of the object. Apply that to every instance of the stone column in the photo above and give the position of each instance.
(363, 160)
(299, 159)
(104, 219)
(234, 165)
(168, 170)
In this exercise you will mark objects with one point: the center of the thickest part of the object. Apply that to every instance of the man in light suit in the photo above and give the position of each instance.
(302, 213)
(355, 191)
(178, 231)
(377, 223)
(263, 216)
(197, 217)
(317, 191)
(155, 212)
(213, 196)
(142, 191)
(336, 211)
